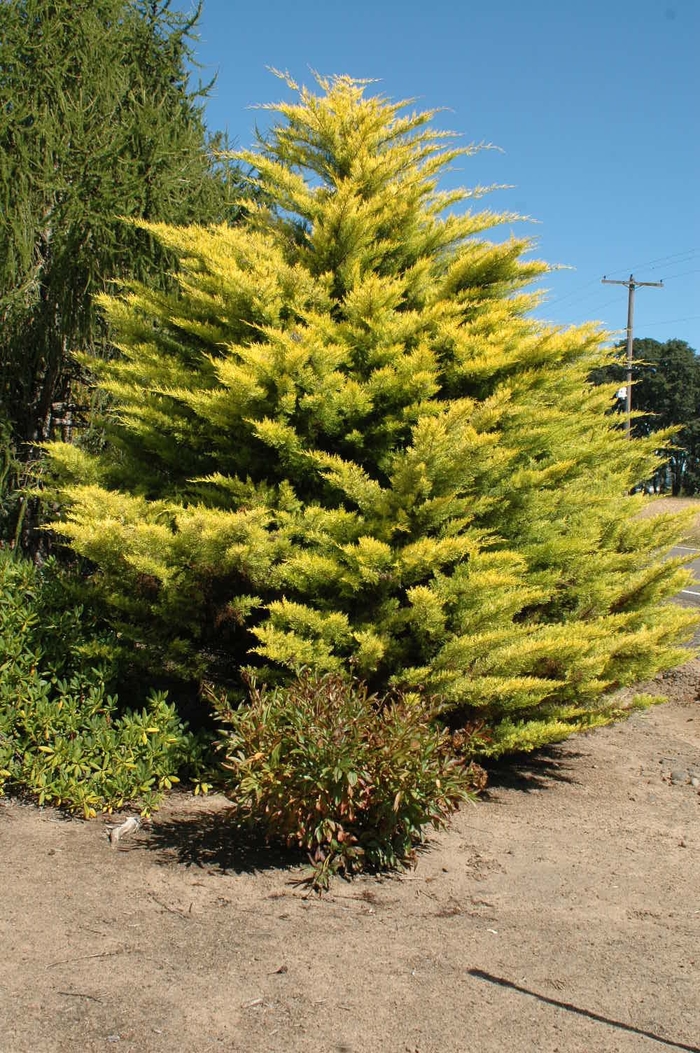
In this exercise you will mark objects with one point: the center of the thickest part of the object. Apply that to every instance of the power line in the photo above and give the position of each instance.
(607, 303)
(682, 274)
(677, 256)
(664, 259)
(574, 292)
(596, 307)
(559, 300)
(557, 308)
(670, 321)
(673, 258)
(592, 311)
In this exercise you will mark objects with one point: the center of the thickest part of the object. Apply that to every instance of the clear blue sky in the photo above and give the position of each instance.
(595, 104)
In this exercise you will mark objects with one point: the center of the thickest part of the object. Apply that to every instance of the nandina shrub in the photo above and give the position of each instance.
(349, 777)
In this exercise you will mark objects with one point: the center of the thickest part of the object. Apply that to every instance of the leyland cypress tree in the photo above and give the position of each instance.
(343, 444)
(98, 121)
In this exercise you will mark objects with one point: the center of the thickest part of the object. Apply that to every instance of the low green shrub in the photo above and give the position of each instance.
(63, 738)
(352, 779)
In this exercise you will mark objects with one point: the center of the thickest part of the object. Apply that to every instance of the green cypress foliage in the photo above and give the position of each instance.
(97, 121)
(343, 444)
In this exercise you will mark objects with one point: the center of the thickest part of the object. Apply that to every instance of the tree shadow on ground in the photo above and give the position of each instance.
(215, 842)
(500, 981)
(527, 772)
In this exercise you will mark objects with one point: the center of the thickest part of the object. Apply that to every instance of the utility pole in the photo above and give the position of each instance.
(631, 284)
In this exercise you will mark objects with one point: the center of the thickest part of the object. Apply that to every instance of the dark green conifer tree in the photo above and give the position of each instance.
(97, 121)
(343, 444)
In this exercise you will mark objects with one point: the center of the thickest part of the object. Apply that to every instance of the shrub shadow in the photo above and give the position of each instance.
(527, 772)
(215, 842)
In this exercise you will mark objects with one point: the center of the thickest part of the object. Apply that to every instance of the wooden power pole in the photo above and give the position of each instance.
(631, 284)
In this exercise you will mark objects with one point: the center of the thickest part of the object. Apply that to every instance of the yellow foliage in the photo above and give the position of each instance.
(339, 441)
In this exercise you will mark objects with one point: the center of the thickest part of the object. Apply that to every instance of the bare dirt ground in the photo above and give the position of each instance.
(676, 504)
(561, 914)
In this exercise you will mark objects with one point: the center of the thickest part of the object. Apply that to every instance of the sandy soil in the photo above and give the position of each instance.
(677, 504)
(561, 914)
(671, 504)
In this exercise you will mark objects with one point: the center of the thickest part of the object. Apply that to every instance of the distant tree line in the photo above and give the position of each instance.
(666, 390)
